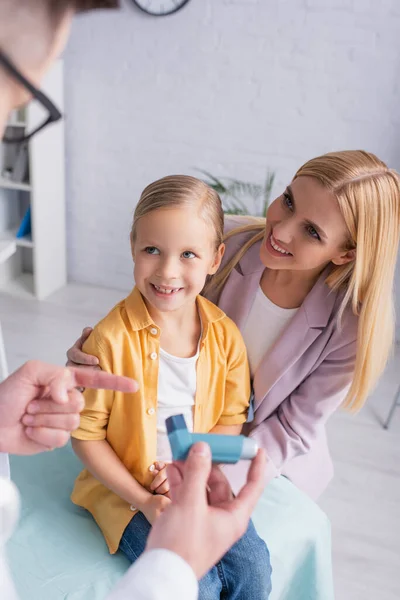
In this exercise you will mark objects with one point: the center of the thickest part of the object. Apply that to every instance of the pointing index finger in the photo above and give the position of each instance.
(106, 381)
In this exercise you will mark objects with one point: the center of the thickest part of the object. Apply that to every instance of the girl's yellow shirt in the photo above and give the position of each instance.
(127, 342)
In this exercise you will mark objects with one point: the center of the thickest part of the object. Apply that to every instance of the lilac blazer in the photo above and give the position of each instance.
(301, 380)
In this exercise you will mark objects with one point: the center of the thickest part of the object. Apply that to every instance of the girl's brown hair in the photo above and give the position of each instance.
(182, 190)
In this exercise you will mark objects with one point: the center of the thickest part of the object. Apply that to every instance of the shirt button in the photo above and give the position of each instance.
(153, 331)
(152, 468)
(151, 411)
(132, 508)
(153, 355)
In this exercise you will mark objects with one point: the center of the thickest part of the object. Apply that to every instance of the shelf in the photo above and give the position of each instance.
(22, 286)
(10, 236)
(32, 175)
(8, 184)
(8, 247)
(25, 241)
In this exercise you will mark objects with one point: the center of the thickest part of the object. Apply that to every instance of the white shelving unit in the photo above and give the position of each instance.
(34, 266)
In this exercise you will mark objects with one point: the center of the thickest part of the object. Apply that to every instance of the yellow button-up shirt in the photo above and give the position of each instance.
(127, 342)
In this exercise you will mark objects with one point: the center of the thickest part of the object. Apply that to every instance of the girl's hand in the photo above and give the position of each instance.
(199, 526)
(160, 483)
(154, 506)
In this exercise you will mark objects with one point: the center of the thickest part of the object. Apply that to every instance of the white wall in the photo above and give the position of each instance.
(233, 86)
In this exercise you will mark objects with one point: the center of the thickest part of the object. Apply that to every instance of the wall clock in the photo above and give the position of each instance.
(160, 8)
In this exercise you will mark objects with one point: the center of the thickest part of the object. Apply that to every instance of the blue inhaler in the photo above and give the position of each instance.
(228, 449)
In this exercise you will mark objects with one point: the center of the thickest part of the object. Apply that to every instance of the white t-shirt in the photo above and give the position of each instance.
(176, 395)
(265, 323)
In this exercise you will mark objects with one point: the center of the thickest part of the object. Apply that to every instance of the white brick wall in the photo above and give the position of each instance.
(232, 86)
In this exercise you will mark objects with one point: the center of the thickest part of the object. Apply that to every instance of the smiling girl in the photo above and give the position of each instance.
(187, 357)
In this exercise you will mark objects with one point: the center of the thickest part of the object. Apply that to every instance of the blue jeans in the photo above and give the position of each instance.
(244, 573)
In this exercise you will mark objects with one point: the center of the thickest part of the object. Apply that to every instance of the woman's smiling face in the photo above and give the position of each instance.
(305, 229)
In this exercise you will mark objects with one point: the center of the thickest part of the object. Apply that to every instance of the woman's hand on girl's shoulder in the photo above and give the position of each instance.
(77, 358)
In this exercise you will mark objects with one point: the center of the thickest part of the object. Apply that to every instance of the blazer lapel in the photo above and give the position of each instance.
(289, 347)
(305, 327)
(238, 295)
(239, 291)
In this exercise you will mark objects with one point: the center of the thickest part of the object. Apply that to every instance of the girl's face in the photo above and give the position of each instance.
(305, 229)
(173, 252)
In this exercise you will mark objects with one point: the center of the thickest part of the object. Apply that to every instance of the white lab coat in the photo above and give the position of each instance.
(157, 575)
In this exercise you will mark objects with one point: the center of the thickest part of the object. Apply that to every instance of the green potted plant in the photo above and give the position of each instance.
(234, 193)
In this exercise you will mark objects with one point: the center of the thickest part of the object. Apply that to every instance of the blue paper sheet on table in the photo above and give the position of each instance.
(59, 553)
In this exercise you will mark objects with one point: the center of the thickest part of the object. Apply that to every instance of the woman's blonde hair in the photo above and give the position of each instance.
(182, 190)
(368, 194)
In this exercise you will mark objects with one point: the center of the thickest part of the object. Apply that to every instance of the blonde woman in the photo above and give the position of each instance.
(311, 289)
